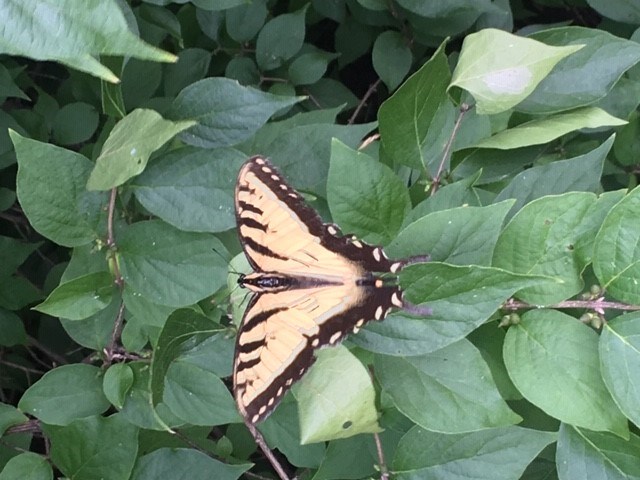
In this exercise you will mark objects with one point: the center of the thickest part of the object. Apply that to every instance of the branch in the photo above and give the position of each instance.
(464, 108)
(372, 88)
(598, 305)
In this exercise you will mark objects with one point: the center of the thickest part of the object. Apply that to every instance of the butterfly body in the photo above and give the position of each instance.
(311, 287)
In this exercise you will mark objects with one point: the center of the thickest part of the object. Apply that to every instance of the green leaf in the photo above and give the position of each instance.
(80, 34)
(572, 83)
(580, 173)
(540, 240)
(168, 266)
(391, 58)
(64, 394)
(550, 357)
(75, 123)
(192, 65)
(547, 129)
(415, 123)
(496, 453)
(138, 408)
(462, 298)
(10, 416)
(95, 331)
(450, 390)
(592, 455)
(620, 362)
(117, 382)
(281, 431)
(288, 143)
(185, 463)
(227, 113)
(336, 399)
(12, 330)
(501, 69)
(78, 449)
(183, 331)
(365, 196)
(245, 21)
(461, 236)
(198, 396)
(50, 186)
(618, 10)
(13, 253)
(27, 465)
(309, 67)
(130, 144)
(79, 298)
(8, 87)
(616, 252)
(195, 181)
(280, 39)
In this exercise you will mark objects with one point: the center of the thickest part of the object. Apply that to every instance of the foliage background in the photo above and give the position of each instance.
(122, 129)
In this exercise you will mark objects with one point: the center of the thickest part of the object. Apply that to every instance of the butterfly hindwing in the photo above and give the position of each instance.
(311, 287)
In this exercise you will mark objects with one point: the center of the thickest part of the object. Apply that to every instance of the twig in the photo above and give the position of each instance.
(597, 305)
(21, 367)
(115, 335)
(257, 436)
(112, 206)
(369, 92)
(464, 108)
(384, 471)
(53, 355)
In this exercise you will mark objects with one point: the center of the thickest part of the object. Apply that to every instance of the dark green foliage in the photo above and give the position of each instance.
(507, 150)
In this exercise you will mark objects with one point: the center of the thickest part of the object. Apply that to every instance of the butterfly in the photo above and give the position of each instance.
(311, 287)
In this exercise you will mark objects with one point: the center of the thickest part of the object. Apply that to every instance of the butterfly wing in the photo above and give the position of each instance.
(281, 233)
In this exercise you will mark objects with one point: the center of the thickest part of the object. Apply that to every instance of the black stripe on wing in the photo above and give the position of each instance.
(371, 258)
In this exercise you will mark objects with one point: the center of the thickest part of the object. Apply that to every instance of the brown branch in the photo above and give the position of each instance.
(464, 108)
(257, 436)
(21, 367)
(115, 335)
(59, 359)
(384, 471)
(372, 88)
(598, 305)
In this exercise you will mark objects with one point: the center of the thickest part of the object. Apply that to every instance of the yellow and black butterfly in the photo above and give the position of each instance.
(311, 287)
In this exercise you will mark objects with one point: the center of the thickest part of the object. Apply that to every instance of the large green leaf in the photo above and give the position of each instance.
(580, 174)
(544, 130)
(449, 391)
(460, 236)
(573, 82)
(595, 455)
(620, 362)
(501, 69)
(227, 113)
(81, 31)
(461, 299)
(485, 455)
(416, 122)
(616, 251)
(65, 394)
(540, 239)
(191, 180)
(280, 39)
(336, 399)
(365, 196)
(130, 144)
(551, 357)
(185, 463)
(169, 266)
(80, 298)
(27, 465)
(51, 189)
(78, 449)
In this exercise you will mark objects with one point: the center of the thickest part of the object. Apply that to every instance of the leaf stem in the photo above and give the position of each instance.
(464, 108)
